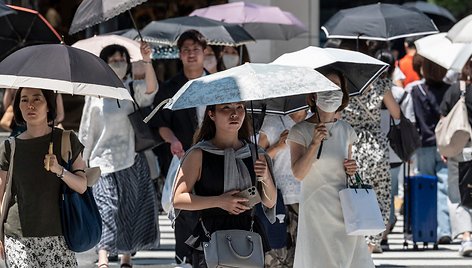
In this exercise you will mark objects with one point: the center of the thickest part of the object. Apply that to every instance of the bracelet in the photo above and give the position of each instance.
(147, 62)
(62, 174)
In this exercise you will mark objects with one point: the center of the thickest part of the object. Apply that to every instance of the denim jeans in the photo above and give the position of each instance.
(430, 163)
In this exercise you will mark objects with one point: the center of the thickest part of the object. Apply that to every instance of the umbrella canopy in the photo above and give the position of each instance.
(359, 69)
(168, 31)
(251, 81)
(439, 49)
(435, 12)
(158, 51)
(262, 22)
(281, 106)
(23, 28)
(95, 45)
(91, 12)
(5, 10)
(381, 22)
(63, 69)
(461, 32)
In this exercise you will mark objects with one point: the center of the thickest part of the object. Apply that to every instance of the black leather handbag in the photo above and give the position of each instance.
(144, 136)
(404, 138)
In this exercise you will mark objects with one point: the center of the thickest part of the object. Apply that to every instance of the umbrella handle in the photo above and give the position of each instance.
(47, 160)
(319, 150)
(156, 109)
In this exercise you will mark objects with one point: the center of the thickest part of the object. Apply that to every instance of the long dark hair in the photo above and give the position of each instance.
(50, 101)
(208, 129)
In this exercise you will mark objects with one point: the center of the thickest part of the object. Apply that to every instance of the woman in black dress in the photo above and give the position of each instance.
(216, 169)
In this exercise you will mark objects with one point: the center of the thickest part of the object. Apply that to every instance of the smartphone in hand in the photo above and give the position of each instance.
(252, 195)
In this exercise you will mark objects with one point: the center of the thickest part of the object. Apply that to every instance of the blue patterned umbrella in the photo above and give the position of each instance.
(251, 81)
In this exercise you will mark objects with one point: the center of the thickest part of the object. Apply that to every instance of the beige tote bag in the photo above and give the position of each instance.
(454, 131)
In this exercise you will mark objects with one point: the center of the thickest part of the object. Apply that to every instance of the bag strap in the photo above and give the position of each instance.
(405, 94)
(364, 107)
(7, 191)
(131, 90)
(66, 151)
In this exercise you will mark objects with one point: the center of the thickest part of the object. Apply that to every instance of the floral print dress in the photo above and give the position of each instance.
(371, 149)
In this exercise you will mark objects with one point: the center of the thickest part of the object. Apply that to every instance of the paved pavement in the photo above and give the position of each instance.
(445, 256)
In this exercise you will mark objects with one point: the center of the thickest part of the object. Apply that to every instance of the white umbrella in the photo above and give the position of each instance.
(95, 45)
(439, 49)
(248, 82)
(461, 32)
(359, 69)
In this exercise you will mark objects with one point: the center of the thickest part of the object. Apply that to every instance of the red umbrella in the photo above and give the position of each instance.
(24, 28)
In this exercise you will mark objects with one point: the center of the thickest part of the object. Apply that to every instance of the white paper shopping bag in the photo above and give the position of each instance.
(361, 211)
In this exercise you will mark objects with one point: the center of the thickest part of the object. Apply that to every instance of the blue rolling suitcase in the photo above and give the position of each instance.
(421, 210)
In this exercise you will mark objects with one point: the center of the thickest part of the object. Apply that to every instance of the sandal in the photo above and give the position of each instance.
(103, 265)
(126, 265)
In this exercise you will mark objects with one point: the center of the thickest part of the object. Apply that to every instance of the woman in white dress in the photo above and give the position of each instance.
(322, 240)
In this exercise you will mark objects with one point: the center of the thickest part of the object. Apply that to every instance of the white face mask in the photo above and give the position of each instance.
(230, 60)
(119, 68)
(329, 101)
(209, 62)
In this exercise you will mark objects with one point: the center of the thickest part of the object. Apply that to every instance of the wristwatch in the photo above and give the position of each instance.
(62, 173)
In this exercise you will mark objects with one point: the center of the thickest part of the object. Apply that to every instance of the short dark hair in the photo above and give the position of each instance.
(193, 35)
(410, 42)
(110, 50)
(208, 129)
(50, 101)
(327, 70)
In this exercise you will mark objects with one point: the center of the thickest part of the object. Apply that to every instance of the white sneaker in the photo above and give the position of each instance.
(466, 248)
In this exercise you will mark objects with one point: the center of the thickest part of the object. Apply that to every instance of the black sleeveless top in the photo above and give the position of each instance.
(211, 183)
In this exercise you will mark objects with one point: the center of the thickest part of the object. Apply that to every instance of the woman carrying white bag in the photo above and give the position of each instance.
(322, 240)
(457, 98)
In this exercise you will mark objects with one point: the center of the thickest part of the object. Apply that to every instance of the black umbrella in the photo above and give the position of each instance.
(216, 32)
(91, 12)
(281, 106)
(437, 13)
(5, 10)
(24, 28)
(63, 69)
(381, 22)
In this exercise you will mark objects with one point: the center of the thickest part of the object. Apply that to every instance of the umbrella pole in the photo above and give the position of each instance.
(254, 129)
(321, 144)
(135, 25)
